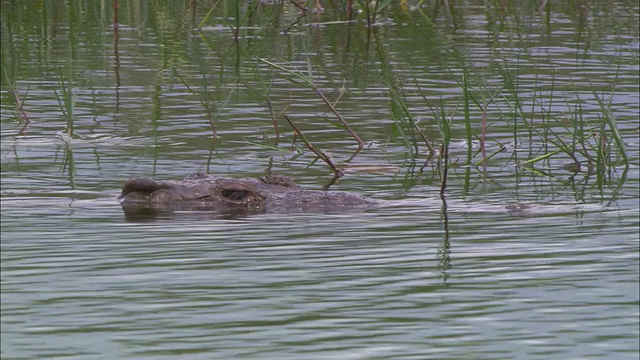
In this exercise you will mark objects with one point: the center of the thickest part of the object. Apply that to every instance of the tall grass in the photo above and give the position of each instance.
(11, 84)
(298, 77)
(66, 100)
(213, 109)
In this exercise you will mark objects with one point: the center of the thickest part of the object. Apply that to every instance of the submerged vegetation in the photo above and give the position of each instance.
(240, 49)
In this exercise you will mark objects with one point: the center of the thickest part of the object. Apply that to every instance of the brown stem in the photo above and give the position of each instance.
(303, 9)
(333, 181)
(584, 149)
(338, 173)
(354, 155)
(424, 138)
(115, 14)
(483, 137)
(25, 116)
(444, 151)
(274, 121)
(286, 31)
(340, 118)
(116, 52)
(212, 122)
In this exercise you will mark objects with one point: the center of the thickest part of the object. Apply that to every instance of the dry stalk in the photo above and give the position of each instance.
(337, 114)
(424, 138)
(337, 172)
(25, 116)
(444, 153)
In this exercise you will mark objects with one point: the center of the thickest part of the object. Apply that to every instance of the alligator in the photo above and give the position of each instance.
(200, 192)
(145, 198)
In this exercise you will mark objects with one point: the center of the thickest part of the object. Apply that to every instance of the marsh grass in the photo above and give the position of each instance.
(211, 11)
(484, 99)
(511, 84)
(591, 143)
(581, 139)
(590, 149)
(10, 83)
(372, 9)
(212, 108)
(444, 122)
(338, 173)
(609, 119)
(444, 125)
(241, 16)
(592, 146)
(66, 101)
(262, 90)
(467, 117)
(405, 126)
(297, 77)
(68, 165)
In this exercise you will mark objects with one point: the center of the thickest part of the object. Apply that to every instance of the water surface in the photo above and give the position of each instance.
(415, 278)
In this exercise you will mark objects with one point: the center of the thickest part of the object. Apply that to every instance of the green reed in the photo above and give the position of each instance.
(511, 84)
(609, 119)
(66, 100)
(240, 15)
(212, 108)
(262, 90)
(488, 99)
(11, 84)
(404, 123)
(467, 117)
(297, 77)
(338, 173)
(590, 149)
(444, 125)
(372, 9)
(211, 11)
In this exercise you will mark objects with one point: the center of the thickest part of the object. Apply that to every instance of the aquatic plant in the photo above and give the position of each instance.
(10, 83)
(66, 100)
(297, 77)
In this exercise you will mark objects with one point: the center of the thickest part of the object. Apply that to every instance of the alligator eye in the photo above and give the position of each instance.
(235, 195)
(239, 193)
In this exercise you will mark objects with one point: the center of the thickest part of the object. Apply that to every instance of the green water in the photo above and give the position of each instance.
(415, 278)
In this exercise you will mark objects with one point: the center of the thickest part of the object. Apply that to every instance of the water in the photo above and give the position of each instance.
(411, 279)
(386, 283)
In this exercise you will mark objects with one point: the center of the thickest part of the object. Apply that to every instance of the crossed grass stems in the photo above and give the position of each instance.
(589, 149)
(584, 148)
(585, 144)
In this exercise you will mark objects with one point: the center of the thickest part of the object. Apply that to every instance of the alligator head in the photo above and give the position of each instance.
(143, 195)
(195, 191)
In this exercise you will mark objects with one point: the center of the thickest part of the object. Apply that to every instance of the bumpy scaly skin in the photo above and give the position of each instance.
(207, 192)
